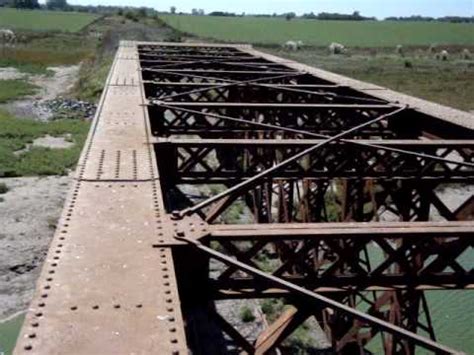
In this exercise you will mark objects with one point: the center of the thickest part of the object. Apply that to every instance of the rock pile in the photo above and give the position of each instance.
(69, 108)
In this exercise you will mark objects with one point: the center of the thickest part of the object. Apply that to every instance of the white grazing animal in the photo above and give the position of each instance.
(7, 37)
(444, 55)
(336, 48)
(292, 45)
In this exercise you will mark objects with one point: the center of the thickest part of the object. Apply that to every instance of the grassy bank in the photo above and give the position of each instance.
(450, 83)
(17, 134)
(40, 20)
(321, 33)
(43, 50)
(92, 77)
(15, 89)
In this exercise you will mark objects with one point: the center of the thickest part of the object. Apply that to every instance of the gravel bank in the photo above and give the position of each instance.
(28, 216)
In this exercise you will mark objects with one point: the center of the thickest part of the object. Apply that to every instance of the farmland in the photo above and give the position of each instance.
(321, 33)
(417, 73)
(44, 20)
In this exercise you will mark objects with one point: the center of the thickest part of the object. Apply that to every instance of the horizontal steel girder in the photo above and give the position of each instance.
(219, 159)
(416, 255)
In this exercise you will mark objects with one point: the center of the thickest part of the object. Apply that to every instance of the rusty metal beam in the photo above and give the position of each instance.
(275, 168)
(262, 126)
(322, 301)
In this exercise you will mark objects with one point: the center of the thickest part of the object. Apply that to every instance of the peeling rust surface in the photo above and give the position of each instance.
(264, 128)
(105, 288)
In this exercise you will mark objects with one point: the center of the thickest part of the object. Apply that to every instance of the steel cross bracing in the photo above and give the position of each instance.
(340, 189)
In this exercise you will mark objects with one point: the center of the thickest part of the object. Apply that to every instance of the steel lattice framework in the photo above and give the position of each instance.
(343, 186)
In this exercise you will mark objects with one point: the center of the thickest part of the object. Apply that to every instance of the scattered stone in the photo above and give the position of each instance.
(11, 74)
(53, 142)
(50, 87)
(70, 108)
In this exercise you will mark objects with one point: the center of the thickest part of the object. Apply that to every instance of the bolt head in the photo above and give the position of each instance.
(175, 215)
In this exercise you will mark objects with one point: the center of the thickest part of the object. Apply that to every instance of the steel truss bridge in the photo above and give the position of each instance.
(344, 187)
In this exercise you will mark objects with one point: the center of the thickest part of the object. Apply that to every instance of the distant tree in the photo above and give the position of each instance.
(356, 16)
(56, 4)
(222, 14)
(290, 16)
(142, 12)
(25, 4)
(311, 16)
(173, 9)
(418, 18)
(120, 12)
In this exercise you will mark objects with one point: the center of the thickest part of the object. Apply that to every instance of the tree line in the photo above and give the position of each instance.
(34, 4)
(453, 19)
(63, 5)
(355, 16)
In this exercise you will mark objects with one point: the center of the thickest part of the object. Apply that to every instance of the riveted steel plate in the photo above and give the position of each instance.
(106, 288)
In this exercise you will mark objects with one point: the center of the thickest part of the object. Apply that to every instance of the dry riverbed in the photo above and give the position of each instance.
(51, 86)
(28, 216)
(31, 207)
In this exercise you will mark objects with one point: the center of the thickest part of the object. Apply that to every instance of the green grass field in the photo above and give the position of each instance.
(321, 33)
(37, 20)
(16, 134)
(15, 89)
(450, 83)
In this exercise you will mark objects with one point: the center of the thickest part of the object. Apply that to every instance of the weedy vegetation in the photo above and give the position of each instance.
(15, 89)
(47, 49)
(246, 314)
(18, 158)
(447, 82)
(3, 188)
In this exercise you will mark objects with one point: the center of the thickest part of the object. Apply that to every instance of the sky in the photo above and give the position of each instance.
(377, 8)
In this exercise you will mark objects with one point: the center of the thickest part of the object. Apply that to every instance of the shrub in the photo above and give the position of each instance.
(246, 315)
(300, 341)
(3, 188)
(132, 16)
(173, 37)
